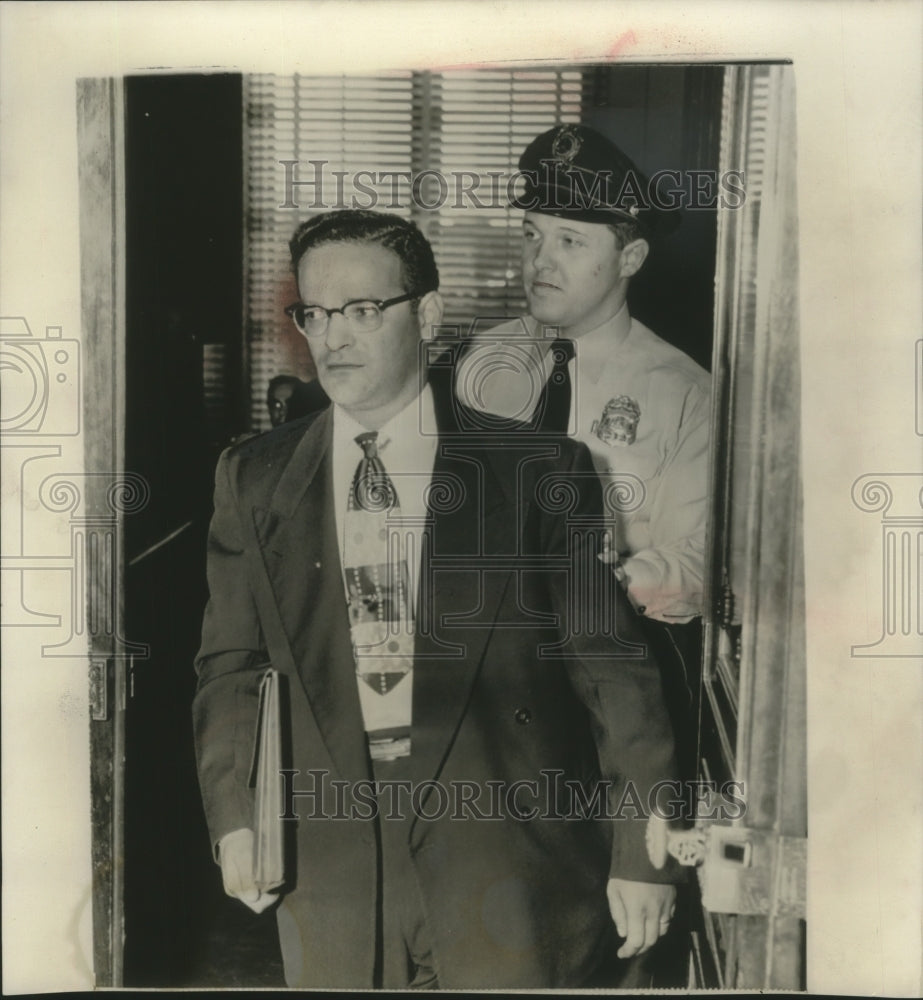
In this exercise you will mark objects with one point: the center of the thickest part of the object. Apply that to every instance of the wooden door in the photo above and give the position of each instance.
(161, 221)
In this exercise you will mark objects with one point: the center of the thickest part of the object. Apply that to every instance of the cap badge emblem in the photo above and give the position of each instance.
(566, 145)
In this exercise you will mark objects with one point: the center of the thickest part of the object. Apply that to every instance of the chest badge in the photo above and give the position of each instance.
(618, 425)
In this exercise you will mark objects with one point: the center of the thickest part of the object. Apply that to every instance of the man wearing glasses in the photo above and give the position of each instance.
(414, 581)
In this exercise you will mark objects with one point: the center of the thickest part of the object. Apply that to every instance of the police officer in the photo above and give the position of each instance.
(580, 362)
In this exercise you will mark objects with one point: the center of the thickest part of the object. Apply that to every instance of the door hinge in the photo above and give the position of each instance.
(99, 690)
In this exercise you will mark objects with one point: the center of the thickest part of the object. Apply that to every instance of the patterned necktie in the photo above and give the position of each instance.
(552, 414)
(372, 490)
(376, 575)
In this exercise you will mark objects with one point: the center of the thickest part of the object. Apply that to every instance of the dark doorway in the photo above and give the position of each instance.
(184, 349)
(668, 120)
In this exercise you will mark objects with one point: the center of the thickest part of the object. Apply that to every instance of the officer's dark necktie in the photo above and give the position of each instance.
(380, 619)
(552, 414)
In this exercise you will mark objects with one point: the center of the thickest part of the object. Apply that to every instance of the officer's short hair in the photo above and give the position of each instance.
(625, 233)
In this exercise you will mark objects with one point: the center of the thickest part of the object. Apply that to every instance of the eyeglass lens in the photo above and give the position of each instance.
(313, 320)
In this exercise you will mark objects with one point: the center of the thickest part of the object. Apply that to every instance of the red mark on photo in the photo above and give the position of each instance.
(622, 42)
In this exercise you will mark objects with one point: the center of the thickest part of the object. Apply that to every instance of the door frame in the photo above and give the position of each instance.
(101, 154)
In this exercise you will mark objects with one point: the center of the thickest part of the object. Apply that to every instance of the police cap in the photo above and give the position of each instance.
(575, 172)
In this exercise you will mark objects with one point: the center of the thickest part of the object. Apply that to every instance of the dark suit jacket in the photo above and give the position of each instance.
(508, 686)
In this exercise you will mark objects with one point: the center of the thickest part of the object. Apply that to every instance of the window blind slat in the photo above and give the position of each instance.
(465, 124)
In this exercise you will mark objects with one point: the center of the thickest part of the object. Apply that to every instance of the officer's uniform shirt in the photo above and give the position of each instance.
(642, 408)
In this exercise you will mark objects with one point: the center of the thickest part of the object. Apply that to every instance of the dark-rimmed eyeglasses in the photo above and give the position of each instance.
(361, 314)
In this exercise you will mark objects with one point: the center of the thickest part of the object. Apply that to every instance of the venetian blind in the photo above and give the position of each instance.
(437, 147)
(339, 123)
(486, 119)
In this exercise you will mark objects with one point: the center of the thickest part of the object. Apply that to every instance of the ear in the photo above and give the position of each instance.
(631, 257)
(429, 314)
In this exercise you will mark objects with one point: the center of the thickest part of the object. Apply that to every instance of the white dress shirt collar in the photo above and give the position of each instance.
(406, 445)
(401, 440)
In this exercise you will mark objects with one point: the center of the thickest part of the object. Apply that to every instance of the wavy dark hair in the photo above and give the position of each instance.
(419, 273)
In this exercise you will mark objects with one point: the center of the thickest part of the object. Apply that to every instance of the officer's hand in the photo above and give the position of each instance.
(642, 912)
(235, 853)
(611, 558)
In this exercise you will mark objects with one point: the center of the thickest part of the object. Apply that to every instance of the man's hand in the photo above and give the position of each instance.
(642, 912)
(235, 852)
(611, 558)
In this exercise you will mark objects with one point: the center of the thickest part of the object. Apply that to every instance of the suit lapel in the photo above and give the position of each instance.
(469, 516)
(298, 537)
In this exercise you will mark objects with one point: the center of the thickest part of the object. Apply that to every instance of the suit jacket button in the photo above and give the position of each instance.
(523, 716)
